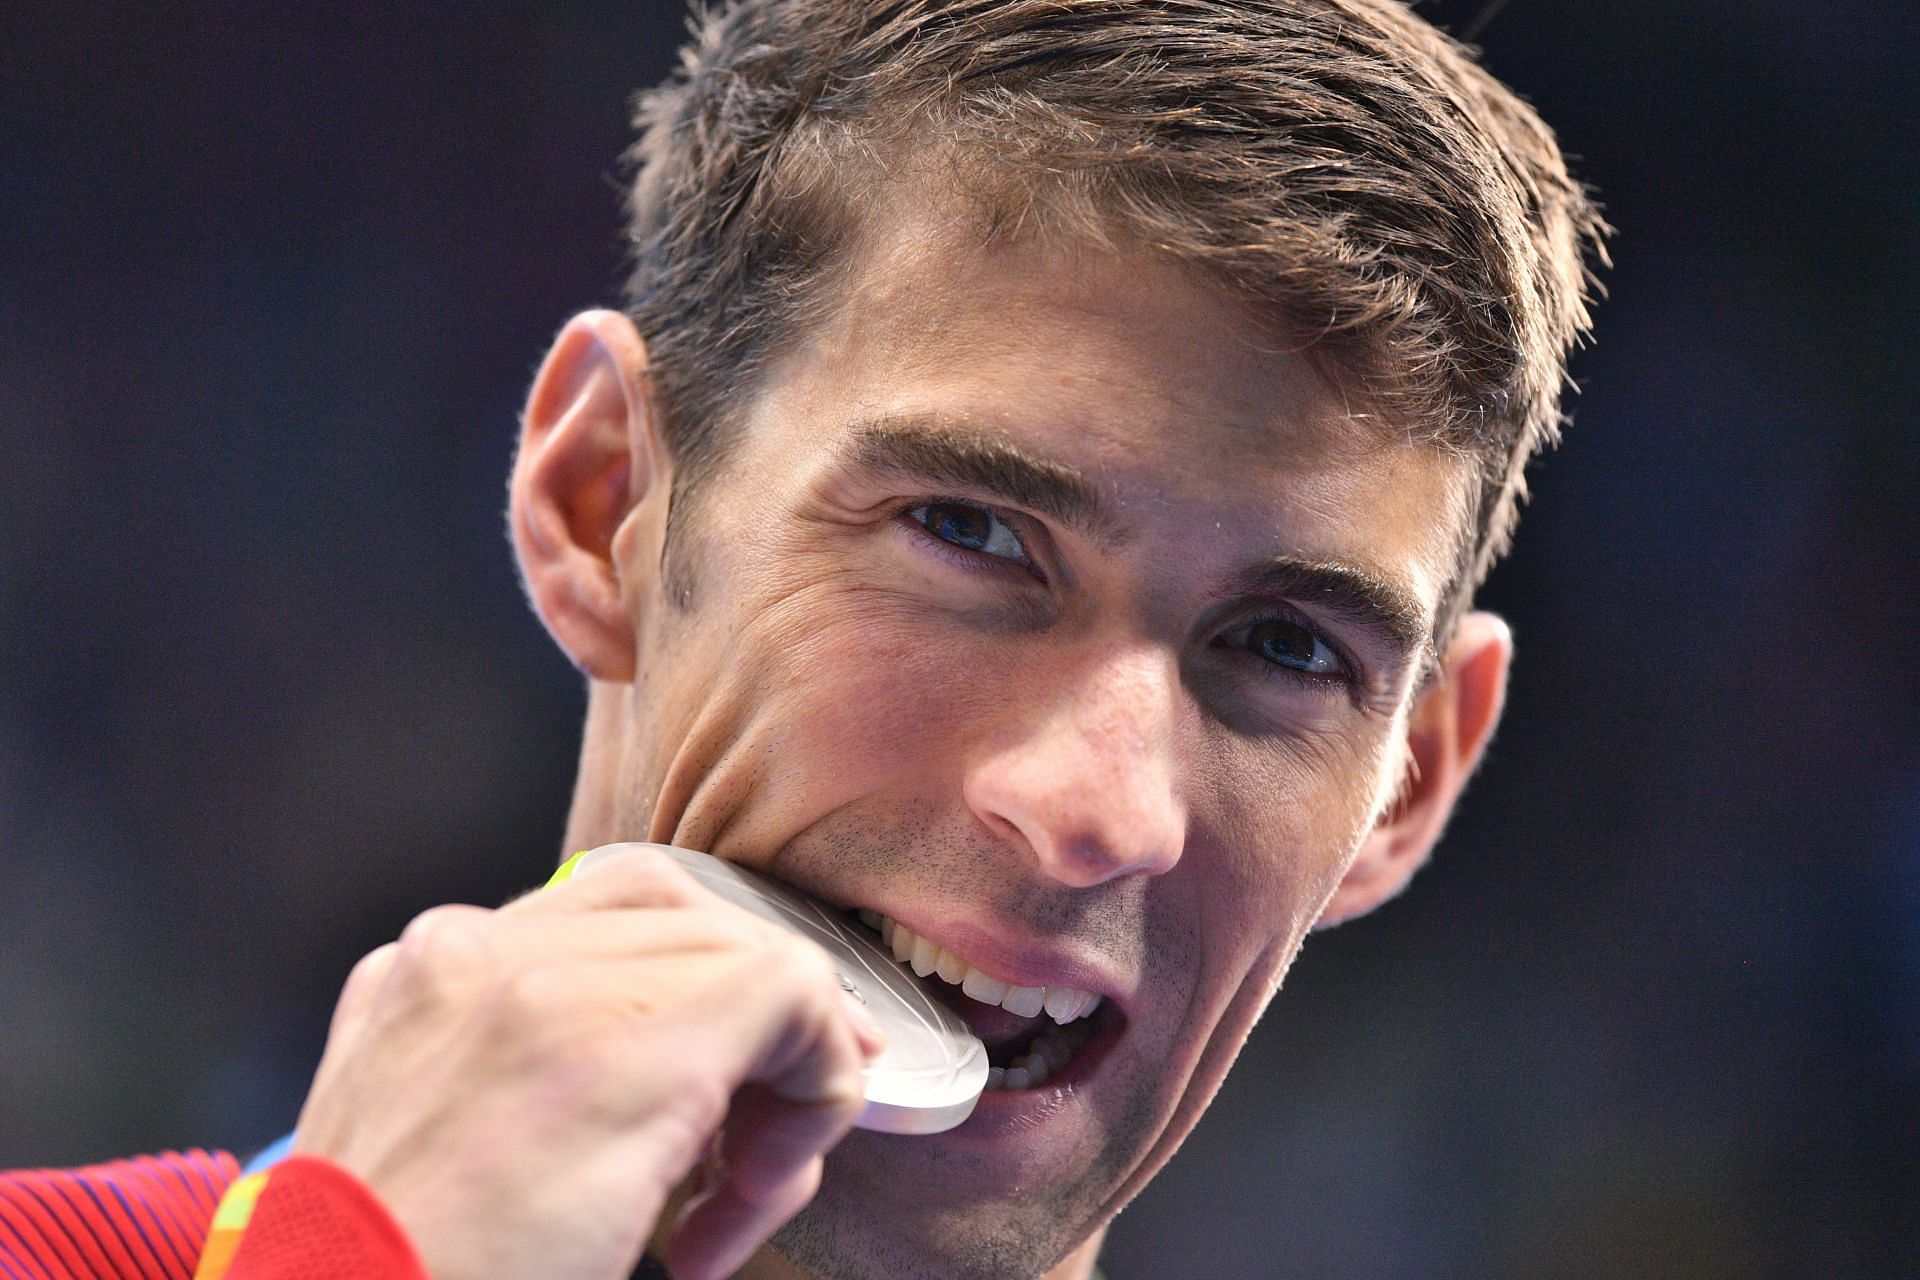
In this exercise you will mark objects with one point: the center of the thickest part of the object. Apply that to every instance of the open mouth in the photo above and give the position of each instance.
(1032, 1034)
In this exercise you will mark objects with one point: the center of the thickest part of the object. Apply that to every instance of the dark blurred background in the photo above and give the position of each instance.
(272, 281)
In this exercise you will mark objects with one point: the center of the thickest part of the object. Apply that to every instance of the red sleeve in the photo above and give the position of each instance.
(139, 1219)
(316, 1221)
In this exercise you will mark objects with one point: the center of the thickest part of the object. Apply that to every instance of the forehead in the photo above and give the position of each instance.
(1109, 331)
(1135, 371)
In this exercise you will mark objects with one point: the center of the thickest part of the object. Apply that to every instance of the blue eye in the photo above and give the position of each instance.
(972, 528)
(1286, 643)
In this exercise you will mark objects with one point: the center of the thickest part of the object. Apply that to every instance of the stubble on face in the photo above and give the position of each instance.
(808, 706)
(1037, 1216)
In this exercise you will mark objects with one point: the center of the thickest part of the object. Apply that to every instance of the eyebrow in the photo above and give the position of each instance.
(936, 449)
(1347, 591)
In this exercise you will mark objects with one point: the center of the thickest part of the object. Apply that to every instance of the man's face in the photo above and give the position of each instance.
(1045, 609)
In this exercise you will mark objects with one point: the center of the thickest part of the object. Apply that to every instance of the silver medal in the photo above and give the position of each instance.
(934, 1067)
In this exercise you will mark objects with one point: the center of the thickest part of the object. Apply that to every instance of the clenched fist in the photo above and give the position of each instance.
(524, 1087)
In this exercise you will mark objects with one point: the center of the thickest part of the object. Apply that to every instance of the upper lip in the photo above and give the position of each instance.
(1016, 954)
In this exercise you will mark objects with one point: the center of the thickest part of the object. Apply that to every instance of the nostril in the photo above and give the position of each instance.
(1084, 860)
(1090, 853)
(1003, 828)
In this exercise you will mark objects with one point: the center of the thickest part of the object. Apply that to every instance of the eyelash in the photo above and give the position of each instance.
(971, 561)
(1346, 678)
(967, 558)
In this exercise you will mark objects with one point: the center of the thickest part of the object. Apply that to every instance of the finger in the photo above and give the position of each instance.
(770, 1014)
(872, 1036)
(717, 1230)
(799, 1035)
(768, 1141)
(637, 877)
(630, 933)
(685, 1031)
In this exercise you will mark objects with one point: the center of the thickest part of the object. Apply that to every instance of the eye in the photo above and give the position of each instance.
(971, 528)
(1288, 644)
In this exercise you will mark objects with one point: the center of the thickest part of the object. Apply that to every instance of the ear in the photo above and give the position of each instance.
(1447, 730)
(590, 452)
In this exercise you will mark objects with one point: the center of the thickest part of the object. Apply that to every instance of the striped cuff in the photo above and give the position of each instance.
(306, 1219)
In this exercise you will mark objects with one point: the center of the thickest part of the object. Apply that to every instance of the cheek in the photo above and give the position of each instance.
(859, 694)
(1289, 815)
(1283, 826)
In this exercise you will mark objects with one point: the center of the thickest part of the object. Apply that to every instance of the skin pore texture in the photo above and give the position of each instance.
(1043, 605)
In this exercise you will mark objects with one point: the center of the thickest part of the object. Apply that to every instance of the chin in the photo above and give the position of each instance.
(875, 1222)
(826, 1245)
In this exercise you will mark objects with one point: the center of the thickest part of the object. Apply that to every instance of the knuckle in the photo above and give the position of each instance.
(538, 1024)
(647, 873)
(702, 1094)
(534, 995)
(358, 993)
(807, 978)
(443, 938)
(364, 978)
(685, 1130)
(808, 967)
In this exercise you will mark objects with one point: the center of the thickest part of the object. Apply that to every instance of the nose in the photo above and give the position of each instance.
(1085, 778)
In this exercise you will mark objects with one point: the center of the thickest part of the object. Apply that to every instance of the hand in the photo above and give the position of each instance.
(523, 1088)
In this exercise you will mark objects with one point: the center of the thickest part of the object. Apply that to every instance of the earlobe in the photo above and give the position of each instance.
(1447, 732)
(590, 453)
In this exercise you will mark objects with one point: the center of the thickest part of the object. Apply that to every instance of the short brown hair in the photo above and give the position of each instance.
(1341, 164)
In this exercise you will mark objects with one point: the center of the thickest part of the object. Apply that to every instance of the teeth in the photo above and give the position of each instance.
(952, 968)
(1053, 1047)
(984, 989)
(1062, 1004)
(1053, 1051)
